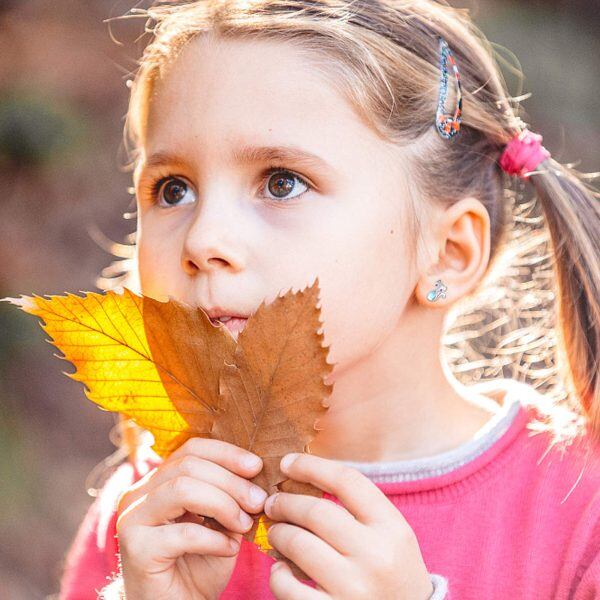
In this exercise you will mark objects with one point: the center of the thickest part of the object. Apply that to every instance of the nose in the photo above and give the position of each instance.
(210, 242)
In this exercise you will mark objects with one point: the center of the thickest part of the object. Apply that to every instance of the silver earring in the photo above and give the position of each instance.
(439, 291)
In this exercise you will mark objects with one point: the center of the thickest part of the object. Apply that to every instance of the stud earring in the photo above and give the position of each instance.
(439, 291)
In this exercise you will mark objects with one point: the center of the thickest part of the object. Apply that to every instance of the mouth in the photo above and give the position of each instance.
(235, 325)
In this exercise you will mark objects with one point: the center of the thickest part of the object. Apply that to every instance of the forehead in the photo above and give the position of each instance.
(264, 92)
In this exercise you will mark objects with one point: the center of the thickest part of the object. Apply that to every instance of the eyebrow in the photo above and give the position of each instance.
(247, 155)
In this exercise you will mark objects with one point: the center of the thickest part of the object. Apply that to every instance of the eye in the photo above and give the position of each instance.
(280, 182)
(170, 191)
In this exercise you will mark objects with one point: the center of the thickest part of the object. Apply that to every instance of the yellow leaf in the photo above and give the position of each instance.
(135, 357)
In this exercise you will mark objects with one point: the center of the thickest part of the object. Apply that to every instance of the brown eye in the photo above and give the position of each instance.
(171, 191)
(282, 182)
(174, 190)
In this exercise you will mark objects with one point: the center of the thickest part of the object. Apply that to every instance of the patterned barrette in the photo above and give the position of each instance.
(447, 125)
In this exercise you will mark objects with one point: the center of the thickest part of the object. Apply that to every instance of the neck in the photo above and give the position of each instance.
(398, 402)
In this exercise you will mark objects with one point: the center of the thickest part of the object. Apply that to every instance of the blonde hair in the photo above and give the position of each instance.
(384, 57)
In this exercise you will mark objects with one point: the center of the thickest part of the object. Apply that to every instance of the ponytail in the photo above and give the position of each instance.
(571, 208)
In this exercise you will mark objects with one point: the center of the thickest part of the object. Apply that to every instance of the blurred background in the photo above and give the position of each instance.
(64, 193)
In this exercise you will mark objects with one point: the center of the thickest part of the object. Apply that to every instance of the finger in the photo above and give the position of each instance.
(189, 517)
(251, 497)
(326, 519)
(230, 456)
(173, 540)
(356, 491)
(172, 498)
(313, 555)
(136, 490)
(285, 586)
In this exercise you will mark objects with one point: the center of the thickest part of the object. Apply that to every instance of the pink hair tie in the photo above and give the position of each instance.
(523, 154)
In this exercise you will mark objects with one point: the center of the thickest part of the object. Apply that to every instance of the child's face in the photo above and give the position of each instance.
(224, 232)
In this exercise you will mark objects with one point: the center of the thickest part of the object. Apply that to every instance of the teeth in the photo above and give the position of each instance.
(224, 319)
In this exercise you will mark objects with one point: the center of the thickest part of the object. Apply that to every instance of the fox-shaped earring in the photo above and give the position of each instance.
(439, 291)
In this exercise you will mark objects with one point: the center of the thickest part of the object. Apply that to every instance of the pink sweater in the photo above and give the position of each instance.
(516, 521)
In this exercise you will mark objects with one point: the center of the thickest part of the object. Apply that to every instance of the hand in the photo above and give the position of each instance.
(165, 550)
(362, 550)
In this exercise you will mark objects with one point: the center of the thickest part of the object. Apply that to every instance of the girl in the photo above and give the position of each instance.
(373, 145)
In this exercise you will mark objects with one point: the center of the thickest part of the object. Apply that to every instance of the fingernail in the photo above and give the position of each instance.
(287, 460)
(257, 495)
(245, 519)
(250, 461)
(276, 566)
(269, 503)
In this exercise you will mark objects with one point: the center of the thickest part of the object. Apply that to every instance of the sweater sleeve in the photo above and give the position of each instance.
(92, 559)
(589, 584)
(580, 574)
(586, 579)
(115, 590)
(87, 568)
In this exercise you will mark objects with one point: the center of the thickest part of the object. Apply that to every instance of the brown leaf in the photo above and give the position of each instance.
(273, 392)
(191, 352)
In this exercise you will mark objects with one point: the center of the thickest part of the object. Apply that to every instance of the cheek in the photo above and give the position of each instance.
(365, 293)
(157, 264)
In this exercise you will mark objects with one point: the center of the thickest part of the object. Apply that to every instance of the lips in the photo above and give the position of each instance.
(217, 311)
(235, 325)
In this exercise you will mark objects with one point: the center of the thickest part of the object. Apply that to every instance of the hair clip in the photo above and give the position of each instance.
(523, 154)
(448, 125)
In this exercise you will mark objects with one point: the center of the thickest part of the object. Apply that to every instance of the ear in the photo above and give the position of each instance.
(463, 239)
